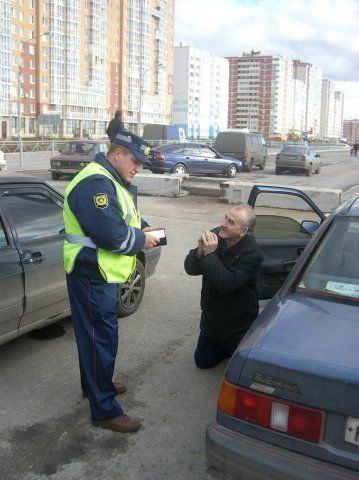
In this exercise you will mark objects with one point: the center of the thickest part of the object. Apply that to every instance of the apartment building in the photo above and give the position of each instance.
(65, 67)
(200, 92)
(261, 94)
(332, 105)
(311, 77)
(351, 129)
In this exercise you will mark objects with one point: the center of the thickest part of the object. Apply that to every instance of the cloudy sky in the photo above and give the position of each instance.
(323, 32)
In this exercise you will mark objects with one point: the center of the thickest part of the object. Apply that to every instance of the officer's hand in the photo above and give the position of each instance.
(150, 241)
(210, 242)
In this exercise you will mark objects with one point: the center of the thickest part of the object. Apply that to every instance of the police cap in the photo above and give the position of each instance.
(138, 146)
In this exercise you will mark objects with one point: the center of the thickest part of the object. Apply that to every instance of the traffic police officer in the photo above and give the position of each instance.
(104, 231)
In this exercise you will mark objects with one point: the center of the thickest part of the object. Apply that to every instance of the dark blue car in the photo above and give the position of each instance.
(288, 406)
(183, 158)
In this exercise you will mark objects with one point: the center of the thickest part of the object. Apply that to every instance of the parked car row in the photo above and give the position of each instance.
(233, 152)
(32, 276)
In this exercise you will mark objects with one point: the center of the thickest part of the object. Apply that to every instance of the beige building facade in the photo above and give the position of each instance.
(65, 67)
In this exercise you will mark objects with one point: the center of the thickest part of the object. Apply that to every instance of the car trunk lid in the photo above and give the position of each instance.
(310, 352)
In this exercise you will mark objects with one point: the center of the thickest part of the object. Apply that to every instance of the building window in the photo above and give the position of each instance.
(32, 64)
(32, 93)
(32, 108)
(32, 49)
(21, 16)
(32, 79)
(31, 19)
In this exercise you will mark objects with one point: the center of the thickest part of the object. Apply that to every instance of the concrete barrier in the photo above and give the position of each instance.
(158, 185)
(327, 199)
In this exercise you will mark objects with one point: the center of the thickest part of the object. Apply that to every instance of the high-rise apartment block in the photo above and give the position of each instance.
(332, 105)
(200, 92)
(351, 130)
(310, 76)
(79, 61)
(261, 94)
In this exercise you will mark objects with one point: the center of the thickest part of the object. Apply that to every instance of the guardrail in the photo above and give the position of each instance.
(30, 146)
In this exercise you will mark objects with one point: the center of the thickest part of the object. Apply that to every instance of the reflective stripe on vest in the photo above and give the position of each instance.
(115, 267)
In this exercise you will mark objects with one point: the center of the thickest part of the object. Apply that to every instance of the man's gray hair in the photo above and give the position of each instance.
(250, 221)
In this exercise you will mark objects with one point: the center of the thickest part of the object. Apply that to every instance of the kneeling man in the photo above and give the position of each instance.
(229, 258)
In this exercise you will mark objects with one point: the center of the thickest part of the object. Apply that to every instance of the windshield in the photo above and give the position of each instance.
(334, 268)
(295, 150)
(78, 147)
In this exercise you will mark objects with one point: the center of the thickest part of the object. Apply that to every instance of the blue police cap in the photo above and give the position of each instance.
(138, 146)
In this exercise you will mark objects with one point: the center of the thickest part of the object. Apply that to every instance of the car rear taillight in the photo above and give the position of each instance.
(271, 412)
(159, 156)
(303, 158)
(245, 154)
(277, 157)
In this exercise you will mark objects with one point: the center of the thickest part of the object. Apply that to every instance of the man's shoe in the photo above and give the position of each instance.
(122, 423)
(120, 388)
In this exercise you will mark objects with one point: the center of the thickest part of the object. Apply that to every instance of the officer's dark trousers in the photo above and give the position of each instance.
(94, 316)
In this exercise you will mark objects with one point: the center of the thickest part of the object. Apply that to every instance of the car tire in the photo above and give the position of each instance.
(130, 294)
(179, 169)
(55, 175)
(278, 170)
(249, 166)
(262, 165)
(319, 169)
(231, 171)
(308, 171)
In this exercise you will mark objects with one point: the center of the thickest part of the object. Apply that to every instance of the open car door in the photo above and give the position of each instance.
(286, 219)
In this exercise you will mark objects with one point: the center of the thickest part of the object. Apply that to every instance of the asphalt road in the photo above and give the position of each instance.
(339, 170)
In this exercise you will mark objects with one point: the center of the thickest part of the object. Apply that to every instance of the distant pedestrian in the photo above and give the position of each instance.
(356, 148)
(115, 125)
(352, 150)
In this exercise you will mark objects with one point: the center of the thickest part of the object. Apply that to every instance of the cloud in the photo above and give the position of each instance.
(323, 32)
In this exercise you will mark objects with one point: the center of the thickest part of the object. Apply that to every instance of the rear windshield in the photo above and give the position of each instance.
(294, 149)
(83, 148)
(334, 268)
(230, 140)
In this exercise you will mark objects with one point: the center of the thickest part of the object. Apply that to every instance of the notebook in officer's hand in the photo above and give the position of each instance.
(161, 235)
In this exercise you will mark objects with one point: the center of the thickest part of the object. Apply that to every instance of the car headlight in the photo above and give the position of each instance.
(82, 164)
(55, 164)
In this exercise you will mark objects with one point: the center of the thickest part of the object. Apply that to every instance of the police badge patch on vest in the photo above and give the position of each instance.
(101, 200)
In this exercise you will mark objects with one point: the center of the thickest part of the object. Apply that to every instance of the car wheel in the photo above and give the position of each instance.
(231, 170)
(308, 172)
(130, 294)
(319, 169)
(262, 165)
(55, 175)
(278, 170)
(179, 169)
(249, 166)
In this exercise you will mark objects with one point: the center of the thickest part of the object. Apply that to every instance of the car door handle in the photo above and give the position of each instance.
(187, 158)
(28, 257)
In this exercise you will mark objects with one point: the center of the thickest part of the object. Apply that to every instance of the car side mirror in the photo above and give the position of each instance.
(309, 227)
(317, 155)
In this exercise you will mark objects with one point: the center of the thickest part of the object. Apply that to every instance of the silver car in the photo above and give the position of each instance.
(298, 158)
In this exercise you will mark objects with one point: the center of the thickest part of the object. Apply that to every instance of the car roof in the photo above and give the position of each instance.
(19, 178)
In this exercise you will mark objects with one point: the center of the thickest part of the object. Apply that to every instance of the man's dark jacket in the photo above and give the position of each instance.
(229, 298)
(114, 126)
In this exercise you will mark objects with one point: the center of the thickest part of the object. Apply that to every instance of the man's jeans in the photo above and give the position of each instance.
(209, 353)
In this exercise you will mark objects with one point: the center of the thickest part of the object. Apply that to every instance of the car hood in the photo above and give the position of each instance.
(310, 344)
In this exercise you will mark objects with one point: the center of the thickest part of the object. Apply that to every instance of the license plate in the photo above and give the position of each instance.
(352, 431)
